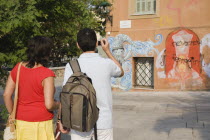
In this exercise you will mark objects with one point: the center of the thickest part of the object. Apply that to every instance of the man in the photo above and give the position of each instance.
(100, 70)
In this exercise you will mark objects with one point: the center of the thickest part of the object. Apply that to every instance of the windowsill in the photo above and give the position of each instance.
(141, 16)
(138, 14)
(144, 88)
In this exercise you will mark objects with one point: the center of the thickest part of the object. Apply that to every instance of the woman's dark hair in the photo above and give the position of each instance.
(38, 51)
(86, 39)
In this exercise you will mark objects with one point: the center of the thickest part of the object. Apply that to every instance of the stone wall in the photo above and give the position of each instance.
(59, 71)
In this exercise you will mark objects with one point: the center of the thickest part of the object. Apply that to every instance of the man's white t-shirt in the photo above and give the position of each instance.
(100, 70)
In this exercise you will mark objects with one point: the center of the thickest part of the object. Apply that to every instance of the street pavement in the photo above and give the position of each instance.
(170, 115)
(162, 116)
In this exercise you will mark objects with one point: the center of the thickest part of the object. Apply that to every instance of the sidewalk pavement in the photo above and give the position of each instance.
(162, 116)
(158, 115)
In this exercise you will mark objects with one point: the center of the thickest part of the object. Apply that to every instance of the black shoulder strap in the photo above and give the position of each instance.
(75, 66)
(95, 132)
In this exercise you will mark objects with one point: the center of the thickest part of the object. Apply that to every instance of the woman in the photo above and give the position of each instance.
(36, 93)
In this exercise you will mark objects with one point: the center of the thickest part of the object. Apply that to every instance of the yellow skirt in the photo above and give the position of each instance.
(34, 130)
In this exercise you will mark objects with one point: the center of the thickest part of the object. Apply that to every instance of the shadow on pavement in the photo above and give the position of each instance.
(188, 119)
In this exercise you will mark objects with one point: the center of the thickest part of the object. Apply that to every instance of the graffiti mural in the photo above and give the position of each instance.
(183, 59)
(160, 64)
(123, 49)
(164, 21)
(205, 51)
(178, 9)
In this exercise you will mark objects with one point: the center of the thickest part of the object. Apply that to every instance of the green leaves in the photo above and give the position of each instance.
(3, 113)
(59, 19)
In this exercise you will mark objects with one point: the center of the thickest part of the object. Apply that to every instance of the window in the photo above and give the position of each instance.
(138, 9)
(144, 7)
(144, 72)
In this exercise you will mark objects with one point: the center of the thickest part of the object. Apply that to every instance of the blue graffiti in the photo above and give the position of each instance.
(124, 52)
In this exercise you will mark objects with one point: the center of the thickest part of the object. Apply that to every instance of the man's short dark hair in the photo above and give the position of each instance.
(86, 39)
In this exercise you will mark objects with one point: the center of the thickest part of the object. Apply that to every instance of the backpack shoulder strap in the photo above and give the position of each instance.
(75, 66)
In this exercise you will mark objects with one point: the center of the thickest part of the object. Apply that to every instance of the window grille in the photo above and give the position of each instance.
(144, 7)
(144, 70)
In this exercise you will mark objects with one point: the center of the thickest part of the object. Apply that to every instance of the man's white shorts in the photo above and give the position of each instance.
(103, 134)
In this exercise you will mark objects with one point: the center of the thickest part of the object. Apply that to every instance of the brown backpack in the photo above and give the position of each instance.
(78, 100)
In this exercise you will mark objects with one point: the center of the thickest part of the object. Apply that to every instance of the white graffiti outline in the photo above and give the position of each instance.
(205, 42)
(132, 49)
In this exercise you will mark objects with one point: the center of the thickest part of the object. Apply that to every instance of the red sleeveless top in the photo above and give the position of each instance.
(31, 104)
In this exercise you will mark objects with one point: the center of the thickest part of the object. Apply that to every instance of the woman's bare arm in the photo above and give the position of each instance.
(49, 91)
(9, 90)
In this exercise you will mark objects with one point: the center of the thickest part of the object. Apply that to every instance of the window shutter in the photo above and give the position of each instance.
(145, 6)
(138, 4)
(151, 6)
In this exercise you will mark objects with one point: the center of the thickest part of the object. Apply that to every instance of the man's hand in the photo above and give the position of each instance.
(65, 131)
(105, 45)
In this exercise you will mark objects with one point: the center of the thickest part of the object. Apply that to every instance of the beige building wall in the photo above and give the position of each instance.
(173, 19)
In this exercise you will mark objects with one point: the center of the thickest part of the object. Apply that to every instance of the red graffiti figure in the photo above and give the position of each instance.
(183, 58)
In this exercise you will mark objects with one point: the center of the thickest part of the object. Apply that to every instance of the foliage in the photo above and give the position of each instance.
(103, 10)
(1, 135)
(59, 19)
(3, 119)
(4, 113)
